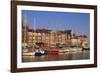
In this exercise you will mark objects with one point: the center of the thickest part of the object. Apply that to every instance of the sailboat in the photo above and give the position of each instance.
(38, 51)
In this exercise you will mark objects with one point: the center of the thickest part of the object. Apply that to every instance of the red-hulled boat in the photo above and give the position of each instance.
(53, 51)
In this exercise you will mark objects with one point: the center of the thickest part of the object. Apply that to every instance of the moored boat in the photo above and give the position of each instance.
(85, 46)
(53, 51)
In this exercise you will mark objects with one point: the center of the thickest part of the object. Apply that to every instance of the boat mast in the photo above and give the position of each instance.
(66, 34)
(49, 34)
(34, 30)
(57, 32)
(77, 39)
(26, 29)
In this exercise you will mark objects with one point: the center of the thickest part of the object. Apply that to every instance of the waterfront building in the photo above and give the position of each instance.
(49, 38)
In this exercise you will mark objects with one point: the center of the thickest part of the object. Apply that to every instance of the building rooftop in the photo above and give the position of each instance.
(40, 30)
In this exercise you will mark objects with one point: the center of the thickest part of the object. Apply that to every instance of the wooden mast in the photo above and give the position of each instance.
(49, 35)
(26, 29)
(66, 34)
(58, 32)
(34, 30)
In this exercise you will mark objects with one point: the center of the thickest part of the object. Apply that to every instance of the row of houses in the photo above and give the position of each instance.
(51, 38)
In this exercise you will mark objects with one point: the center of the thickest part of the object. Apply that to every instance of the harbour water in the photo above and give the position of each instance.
(80, 55)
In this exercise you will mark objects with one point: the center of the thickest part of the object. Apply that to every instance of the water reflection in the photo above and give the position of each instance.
(62, 56)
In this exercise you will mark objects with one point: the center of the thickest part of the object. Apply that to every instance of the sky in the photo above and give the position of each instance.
(79, 23)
